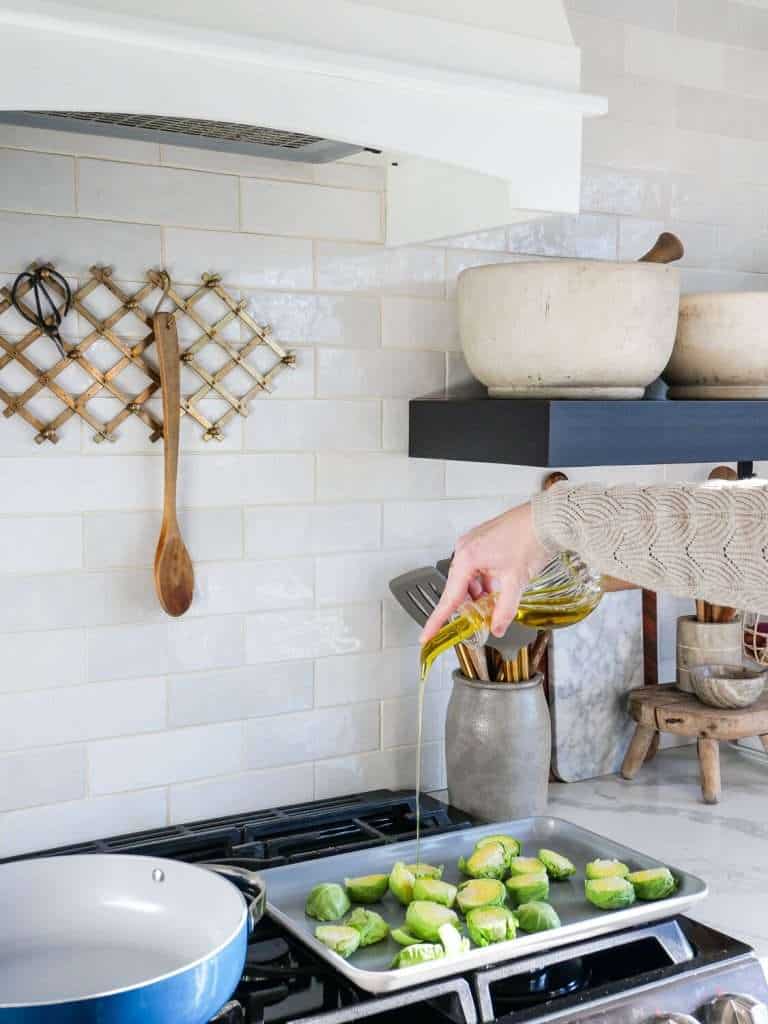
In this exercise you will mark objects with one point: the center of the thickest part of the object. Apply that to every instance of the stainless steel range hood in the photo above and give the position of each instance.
(475, 103)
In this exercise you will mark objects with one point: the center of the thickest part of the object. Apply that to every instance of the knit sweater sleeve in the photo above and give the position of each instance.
(708, 541)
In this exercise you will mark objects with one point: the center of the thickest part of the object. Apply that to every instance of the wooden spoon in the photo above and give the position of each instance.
(174, 575)
(666, 249)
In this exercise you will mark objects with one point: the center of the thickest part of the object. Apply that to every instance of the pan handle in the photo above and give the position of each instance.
(250, 885)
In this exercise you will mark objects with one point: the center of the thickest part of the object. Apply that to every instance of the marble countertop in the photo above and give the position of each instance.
(660, 812)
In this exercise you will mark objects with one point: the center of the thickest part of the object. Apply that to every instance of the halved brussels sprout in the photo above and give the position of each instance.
(339, 938)
(510, 844)
(425, 870)
(401, 883)
(558, 867)
(491, 924)
(423, 919)
(653, 883)
(372, 926)
(480, 892)
(435, 891)
(537, 916)
(419, 953)
(606, 869)
(367, 888)
(489, 861)
(524, 888)
(402, 937)
(612, 893)
(327, 902)
(453, 941)
(526, 866)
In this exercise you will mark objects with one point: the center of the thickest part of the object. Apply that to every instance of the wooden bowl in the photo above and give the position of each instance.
(728, 686)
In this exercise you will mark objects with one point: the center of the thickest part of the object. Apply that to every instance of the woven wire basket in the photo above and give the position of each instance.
(756, 637)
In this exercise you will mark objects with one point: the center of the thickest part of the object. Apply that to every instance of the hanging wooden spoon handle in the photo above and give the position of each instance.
(167, 346)
(666, 249)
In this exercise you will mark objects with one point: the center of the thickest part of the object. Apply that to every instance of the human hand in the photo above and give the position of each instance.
(500, 556)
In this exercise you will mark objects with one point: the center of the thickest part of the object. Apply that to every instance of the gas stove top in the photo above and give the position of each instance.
(673, 967)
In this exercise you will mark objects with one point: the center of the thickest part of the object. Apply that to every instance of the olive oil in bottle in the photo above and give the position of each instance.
(564, 592)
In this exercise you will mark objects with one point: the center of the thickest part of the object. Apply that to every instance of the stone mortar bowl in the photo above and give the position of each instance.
(721, 349)
(568, 328)
(728, 686)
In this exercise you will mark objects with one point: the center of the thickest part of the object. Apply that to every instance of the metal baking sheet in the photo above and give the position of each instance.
(369, 968)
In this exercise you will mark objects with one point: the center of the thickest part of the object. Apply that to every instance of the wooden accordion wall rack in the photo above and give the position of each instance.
(227, 357)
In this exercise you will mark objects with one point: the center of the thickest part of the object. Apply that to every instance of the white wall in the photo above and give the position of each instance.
(113, 718)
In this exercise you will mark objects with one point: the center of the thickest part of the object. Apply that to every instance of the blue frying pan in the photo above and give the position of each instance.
(113, 939)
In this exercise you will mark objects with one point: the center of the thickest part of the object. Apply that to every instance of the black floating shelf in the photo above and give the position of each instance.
(561, 433)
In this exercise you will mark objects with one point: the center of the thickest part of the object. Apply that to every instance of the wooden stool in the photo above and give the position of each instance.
(658, 709)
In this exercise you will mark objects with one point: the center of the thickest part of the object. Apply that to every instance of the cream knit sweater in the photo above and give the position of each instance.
(708, 541)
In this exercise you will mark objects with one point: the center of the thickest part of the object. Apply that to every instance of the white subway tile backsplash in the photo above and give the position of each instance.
(287, 636)
(740, 248)
(633, 193)
(41, 544)
(658, 14)
(224, 587)
(196, 644)
(384, 373)
(78, 713)
(38, 661)
(421, 523)
(377, 477)
(738, 24)
(740, 204)
(229, 695)
(245, 479)
(588, 236)
(75, 244)
(469, 479)
(345, 579)
(352, 678)
(674, 58)
(419, 323)
(636, 236)
(382, 769)
(130, 538)
(75, 821)
(632, 97)
(400, 719)
(121, 652)
(307, 425)
(249, 260)
(312, 735)
(156, 195)
(247, 791)
(44, 776)
(310, 211)
(138, 762)
(721, 281)
(318, 319)
(286, 530)
(404, 271)
(601, 40)
(394, 432)
(37, 182)
(721, 114)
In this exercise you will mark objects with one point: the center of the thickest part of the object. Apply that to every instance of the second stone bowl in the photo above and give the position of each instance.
(728, 686)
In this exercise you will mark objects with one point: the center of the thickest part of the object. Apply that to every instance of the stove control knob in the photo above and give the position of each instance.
(735, 1009)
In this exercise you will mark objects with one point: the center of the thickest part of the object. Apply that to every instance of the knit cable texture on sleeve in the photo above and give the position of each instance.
(708, 541)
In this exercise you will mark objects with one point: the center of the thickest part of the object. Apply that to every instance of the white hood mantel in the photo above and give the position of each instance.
(474, 102)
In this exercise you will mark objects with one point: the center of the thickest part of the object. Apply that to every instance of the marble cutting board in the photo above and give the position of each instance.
(592, 667)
